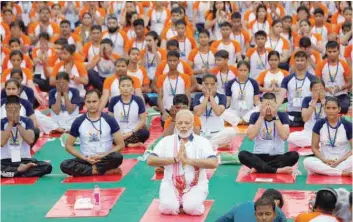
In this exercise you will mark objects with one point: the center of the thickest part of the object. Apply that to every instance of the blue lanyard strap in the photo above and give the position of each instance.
(100, 124)
(274, 128)
(14, 138)
(332, 141)
(176, 85)
(148, 63)
(126, 115)
(262, 63)
(332, 78)
(296, 82)
(203, 62)
(242, 89)
(317, 115)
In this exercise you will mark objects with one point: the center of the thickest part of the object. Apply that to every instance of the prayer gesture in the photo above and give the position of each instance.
(206, 92)
(322, 95)
(315, 95)
(182, 153)
(263, 108)
(64, 86)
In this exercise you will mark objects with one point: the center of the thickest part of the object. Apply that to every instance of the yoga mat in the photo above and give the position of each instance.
(127, 165)
(39, 144)
(241, 129)
(153, 215)
(245, 177)
(295, 201)
(159, 176)
(134, 150)
(19, 180)
(295, 129)
(65, 205)
(324, 179)
(303, 151)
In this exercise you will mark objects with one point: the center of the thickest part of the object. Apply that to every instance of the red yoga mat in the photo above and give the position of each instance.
(127, 165)
(134, 150)
(65, 205)
(153, 215)
(294, 129)
(159, 176)
(19, 180)
(295, 201)
(303, 151)
(324, 179)
(245, 177)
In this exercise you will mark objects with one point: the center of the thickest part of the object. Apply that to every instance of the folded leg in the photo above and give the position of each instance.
(315, 165)
(111, 161)
(168, 202)
(224, 137)
(42, 168)
(300, 138)
(255, 161)
(76, 167)
(231, 117)
(193, 200)
(284, 160)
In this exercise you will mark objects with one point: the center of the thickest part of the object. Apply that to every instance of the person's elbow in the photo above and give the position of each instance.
(151, 159)
(250, 135)
(213, 163)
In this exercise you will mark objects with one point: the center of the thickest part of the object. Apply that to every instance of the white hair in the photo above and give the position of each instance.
(184, 112)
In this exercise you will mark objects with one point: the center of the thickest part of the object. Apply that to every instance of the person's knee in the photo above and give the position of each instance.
(144, 135)
(168, 206)
(116, 157)
(242, 155)
(308, 162)
(64, 166)
(294, 156)
(47, 168)
(192, 207)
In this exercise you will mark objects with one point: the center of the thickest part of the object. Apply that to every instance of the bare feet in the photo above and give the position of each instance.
(24, 167)
(59, 130)
(159, 170)
(253, 170)
(285, 170)
(131, 145)
(116, 171)
(181, 210)
(347, 173)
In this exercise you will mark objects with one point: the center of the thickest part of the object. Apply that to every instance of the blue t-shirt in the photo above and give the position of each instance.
(246, 212)
(25, 93)
(26, 109)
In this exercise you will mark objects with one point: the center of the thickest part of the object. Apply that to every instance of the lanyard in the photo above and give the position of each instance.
(176, 85)
(220, 76)
(240, 38)
(142, 45)
(275, 45)
(262, 63)
(242, 90)
(263, 26)
(126, 116)
(116, 38)
(274, 129)
(100, 124)
(160, 17)
(149, 64)
(332, 78)
(14, 138)
(184, 46)
(317, 115)
(332, 141)
(296, 82)
(320, 31)
(203, 61)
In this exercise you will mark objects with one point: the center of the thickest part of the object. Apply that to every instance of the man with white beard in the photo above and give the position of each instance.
(184, 187)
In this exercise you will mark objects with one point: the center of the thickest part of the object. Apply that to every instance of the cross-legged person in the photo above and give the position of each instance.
(269, 129)
(97, 131)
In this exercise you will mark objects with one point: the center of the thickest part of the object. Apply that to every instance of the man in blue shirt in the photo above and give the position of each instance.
(246, 211)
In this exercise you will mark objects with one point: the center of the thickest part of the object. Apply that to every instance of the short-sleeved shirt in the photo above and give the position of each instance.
(224, 78)
(105, 67)
(268, 140)
(242, 38)
(27, 75)
(258, 63)
(5, 151)
(232, 48)
(89, 51)
(279, 45)
(315, 56)
(75, 98)
(183, 67)
(112, 85)
(119, 40)
(341, 144)
(210, 122)
(25, 93)
(95, 136)
(26, 63)
(127, 114)
(169, 120)
(266, 77)
(317, 114)
(141, 74)
(26, 109)
(201, 60)
(297, 90)
(196, 148)
(316, 216)
(186, 45)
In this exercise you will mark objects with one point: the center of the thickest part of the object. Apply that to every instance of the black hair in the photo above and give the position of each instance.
(347, 9)
(155, 36)
(172, 42)
(61, 41)
(44, 35)
(18, 23)
(332, 44)
(305, 20)
(301, 54)
(133, 48)
(16, 70)
(226, 24)
(260, 33)
(123, 78)
(273, 53)
(14, 39)
(176, 10)
(206, 76)
(347, 25)
(236, 15)
(13, 80)
(112, 16)
(138, 22)
(265, 201)
(96, 27)
(7, 10)
(181, 99)
(107, 41)
(214, 9)
(204, 31)
(44, 8)
(224, 54)
(120, 60)
(16, 52)
(12, 100)
(319, 11)
(303, 8)
(91, 91)
(316, 81)
(63, 75)
(326, 199)
(65, 22)
(173, 53)
(258, 9)
(275, 195)
(128, 18)
(333, 99)
(269, 96)
(350, 199)
(304, 42)
(290, 29)
(86, 13)
(180, 22)
(244, 62)
(70, 48)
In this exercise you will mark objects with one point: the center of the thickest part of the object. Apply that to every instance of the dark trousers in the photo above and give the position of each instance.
(78, 167)
(9, 169)
(43, 84)
(264, 163)
(95, 80)
(297, 121)
(140, 136)
(344, 102)
(36, 135)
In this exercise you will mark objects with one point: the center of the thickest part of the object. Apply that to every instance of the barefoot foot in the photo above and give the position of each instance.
(116, 171)
(347, 173)
(285, 170)
(253, 170)
(131, 145)
(24, 167)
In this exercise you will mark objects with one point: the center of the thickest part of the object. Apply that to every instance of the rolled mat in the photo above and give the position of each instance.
(283, 107)
(228, 158)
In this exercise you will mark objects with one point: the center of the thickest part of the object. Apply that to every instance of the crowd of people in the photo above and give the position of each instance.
(205, 66)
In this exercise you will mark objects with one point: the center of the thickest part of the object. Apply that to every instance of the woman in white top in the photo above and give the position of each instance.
(331, 143)
(130, 113)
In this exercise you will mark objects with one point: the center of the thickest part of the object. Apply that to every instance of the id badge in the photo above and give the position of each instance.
(297, 101)
(152, 72)
(243, 105)
(172, 92)
(15, 153)
(241, 96)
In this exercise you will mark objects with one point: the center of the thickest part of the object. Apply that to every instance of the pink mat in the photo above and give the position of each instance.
(134, 150)
(295, 201)
(245, 177)
(303, 151)
(294, 129)
(19, 180)
(323, 179)
(39, 144)
(159, 176)
(127, 165)
(65, 205)
(152, 214)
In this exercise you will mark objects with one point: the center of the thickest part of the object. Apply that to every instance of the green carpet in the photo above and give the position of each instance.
(30, 203)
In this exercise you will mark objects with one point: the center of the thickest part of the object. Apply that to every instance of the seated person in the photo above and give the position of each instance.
(186, 157)
(242, 95)
(325, 204)
(130, 113)
(312, 111)
(269, 128)
(331, 143)
(64, 102)
(26, 92)
(210, 105)
(96, 131)
(296, 86)
(246, 211)
(265, 210)
(16, 137)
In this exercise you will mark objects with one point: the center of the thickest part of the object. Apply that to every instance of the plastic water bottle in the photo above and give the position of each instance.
(97, 195)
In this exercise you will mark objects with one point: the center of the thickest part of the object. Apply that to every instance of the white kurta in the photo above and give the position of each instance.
(192, 201)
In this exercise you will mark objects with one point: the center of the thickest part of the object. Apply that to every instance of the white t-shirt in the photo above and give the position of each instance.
(318, 114)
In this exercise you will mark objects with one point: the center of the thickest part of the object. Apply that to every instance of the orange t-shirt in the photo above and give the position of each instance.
(186, 68)
(26, 58)
(27, 75)
(197, 122)
(52, 60)
(109, 81)
(306, 217)
(25, 40)
(81, 69)
(161, 79)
